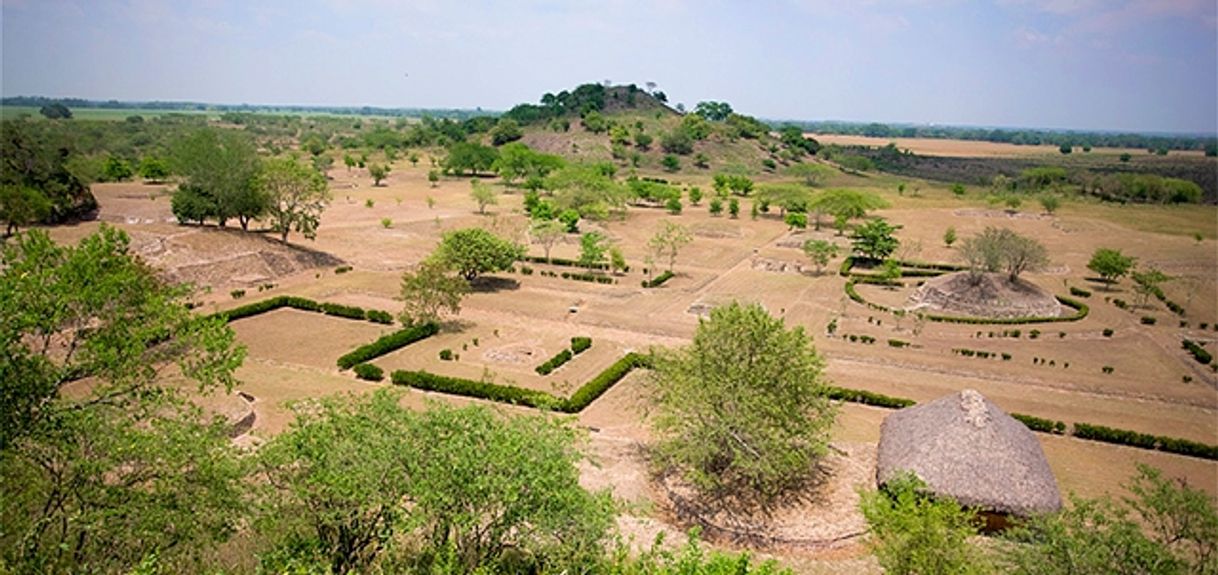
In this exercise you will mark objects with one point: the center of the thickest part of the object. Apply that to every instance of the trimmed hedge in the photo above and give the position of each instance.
(304, 304)
(658, 281)
(566, 263)
(470, 388)
(604, 380)
(378, 316)
(1199, 353)
(369, 372)
(868, 398)
(1080, 292)
(1041, 424)
(580, 344)
(347, 311)
(1113, 435)
(387, 343)
(554, 362)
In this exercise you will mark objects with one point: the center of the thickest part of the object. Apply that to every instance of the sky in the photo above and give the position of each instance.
(1128, 65)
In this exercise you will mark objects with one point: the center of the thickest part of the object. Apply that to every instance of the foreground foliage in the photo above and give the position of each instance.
(911, 533)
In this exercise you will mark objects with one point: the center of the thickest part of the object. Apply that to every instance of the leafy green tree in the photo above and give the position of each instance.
(505, 130)
(912, 533)
(695, 195)
(378, 172)
(733, 209)
(643, 140)
(789, 197)
(796, 220)
(547, 232)
(673, 205)
(33, 161)
(713, 111)
(617, 260)
(949, 236)
(677, 141)
(349, 161)
(430, 292)
(671, 163)
(517, 161)
(116, 169)
(669, 240)
(154, 169)
(21, 206)
(848, 204)
(483, 195)
(1065, 148)
(220, 167)
(469, 158)
(1110, 264)
(433, 177)
(594, 122)
(569, 218)
(958, 190)
(742, 412)
(94, 481)
(55, 111)
(733, 183)
(474, 251)
(593, 247)
(820, 252)
(715, 206)
(874, 240)
(587, 189)
(1146, 283)
(810, 174)
(1049, 202)
(296, 196)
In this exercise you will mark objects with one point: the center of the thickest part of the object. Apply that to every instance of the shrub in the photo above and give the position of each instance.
(580, 344)
(868, 398)
(658, 280)
(446, 354)
(469, 388)
(1199, 353)
(1040, 424)
(387, 343)
(1120, 303)
(340, 310)
(526, 270)
(237, 293)
(1108, 332)
(898, 343)
(1112, 435)
(1148, 320)
(342, 269)
(1107, 369)
(378, 316)
(598, 385)
(1080, 292)
(554, 362)
(369, 372)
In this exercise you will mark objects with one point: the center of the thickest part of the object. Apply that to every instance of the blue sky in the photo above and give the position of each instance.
(1149, 65)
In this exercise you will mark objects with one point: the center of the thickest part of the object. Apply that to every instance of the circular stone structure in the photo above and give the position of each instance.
(989, 295)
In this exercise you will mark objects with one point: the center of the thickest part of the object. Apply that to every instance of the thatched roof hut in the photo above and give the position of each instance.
(965, 447)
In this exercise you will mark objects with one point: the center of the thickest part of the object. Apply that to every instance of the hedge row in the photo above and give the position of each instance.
(868, 398)
(470, 388)
(304, 304)
(554, 362)
(566, 262)
(387, 343)
(1158, 293)
(604, 380)
(580, 344)
(1080, 292)
(369, 372)
(1145, 440)
(659, 280)
(1199, 353)
(1080, 311)
(1041, 424)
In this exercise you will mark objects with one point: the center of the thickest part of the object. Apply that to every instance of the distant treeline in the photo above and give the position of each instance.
(40, 101)
(1014, 136)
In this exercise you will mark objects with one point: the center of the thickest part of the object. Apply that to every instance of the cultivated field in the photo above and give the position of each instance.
(971, 149)
(503, 333)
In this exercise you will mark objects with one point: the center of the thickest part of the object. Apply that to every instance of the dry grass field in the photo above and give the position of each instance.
(1155, 386)
(968, 149)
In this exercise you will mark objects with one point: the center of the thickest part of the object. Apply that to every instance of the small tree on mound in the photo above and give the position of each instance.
(874, 240)
(1110, 264)
(820, 252)
(742, 412)
(669, 240)
(1000, 249)
(430, 291)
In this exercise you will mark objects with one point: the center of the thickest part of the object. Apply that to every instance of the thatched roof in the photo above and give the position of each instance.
(965, 447)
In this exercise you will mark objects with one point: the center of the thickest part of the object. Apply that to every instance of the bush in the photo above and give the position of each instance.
(1112, 435)
(387, 343)
(446, 354)
(378, 316)
(1199, 353)
(868, 398)
(580, 344)
(1107, 369)
(564, 262)
(1148, 320)
(1080, 292)
(658, 281)
(340, 310)
(598, 385)
(369, 372)
(554, 362)
(237, 293)
(469, 388)
(898, 343)
(1108, 332)
(342, 269)
(1041, 424)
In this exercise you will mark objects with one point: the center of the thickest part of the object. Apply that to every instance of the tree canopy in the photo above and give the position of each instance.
(1000, 249)
(742, 412)
(1110, 264)
(296, 196)
(220, 167)
(873, 240)
(474, 251)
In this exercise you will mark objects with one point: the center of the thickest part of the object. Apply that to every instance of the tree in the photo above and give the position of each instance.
(505, 130)
(220, 168)
(949, 236)
(21, 206)
(874, 240)
(547, 233)
(673, 205)
(742, 413)
(483, 195)
(349, 161)
(1146, 283)
(517, 161)
(296, 196)
(55, 111)
(121, 468)
(695, 195)
(668, 241)
(617, 260)
(733, 210)
(1110, 264)
(378, 172)
(912, 533)
(671, 163)
(592, 249)
(820, 252)
(1065, 148)
(958, 190)
(811, 174)
(116, 169)
(796, 220)
(433, 177)
(474, 251)
(713, 111)
(1000, 249)
(847, 204)
(677, 141)
(716, 206)
(469, 158)
(467, 488)
(643, 140)
(589, 189)
(33, 162)
(154, 169)
(1049, 202)
(429, 292)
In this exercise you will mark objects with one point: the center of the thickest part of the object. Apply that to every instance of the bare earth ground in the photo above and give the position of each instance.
(529, 318)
